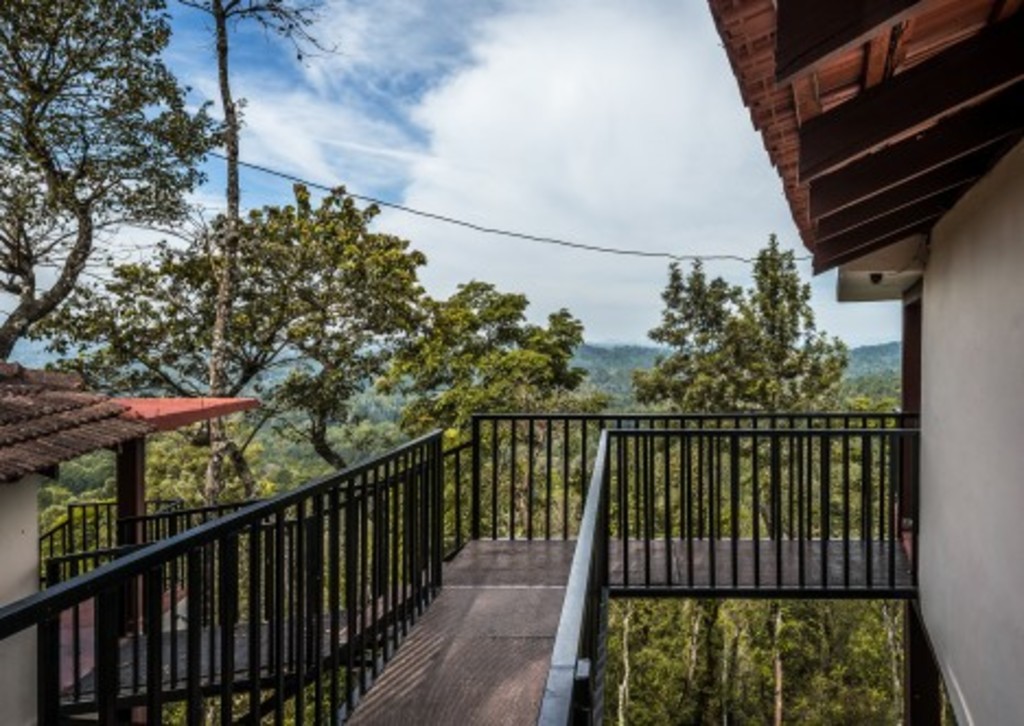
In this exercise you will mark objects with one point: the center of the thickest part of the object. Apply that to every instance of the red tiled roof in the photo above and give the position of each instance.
(46, 418)
(167, 414)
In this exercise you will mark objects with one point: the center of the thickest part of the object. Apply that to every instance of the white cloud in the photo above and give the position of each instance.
(607, 122)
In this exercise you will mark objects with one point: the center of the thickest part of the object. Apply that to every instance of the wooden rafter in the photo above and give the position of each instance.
(956, 78)
(810, 31)
(965, 133)
(939, 181)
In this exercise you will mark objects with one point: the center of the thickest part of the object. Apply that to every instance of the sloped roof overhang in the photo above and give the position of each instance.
(879, 114)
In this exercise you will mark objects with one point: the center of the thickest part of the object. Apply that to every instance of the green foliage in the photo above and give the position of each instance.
(320, 303)
(742, 350)
(94, 134)
(476, 353)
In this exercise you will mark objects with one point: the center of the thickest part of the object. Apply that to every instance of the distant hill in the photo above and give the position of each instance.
(872, 369)
(874, 359)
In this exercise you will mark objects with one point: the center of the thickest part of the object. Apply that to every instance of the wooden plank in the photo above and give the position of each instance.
(809, 31)
(826, 258)
(952, 80)
(937, 181)
(965, 133)
(876, 55)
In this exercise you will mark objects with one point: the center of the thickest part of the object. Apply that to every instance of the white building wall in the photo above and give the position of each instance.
(972, 475)
(19, 576)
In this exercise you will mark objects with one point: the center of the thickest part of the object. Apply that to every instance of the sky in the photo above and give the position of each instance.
(606, 122)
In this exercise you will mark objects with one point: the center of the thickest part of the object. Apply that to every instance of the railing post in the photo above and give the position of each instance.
(475, 494)
(48, 671)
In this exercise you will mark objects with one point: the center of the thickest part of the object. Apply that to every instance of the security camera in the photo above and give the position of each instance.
(875, 277)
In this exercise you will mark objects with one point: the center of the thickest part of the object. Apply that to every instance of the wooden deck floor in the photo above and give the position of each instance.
(480, 654)
(846, 571)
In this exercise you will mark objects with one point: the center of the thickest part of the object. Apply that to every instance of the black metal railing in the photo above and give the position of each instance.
(88, 526)
(289, 607)
(736, 512)
(529, 470)
(762, 512)
(92, 533)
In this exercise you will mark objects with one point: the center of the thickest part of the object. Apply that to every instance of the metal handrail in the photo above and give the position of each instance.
(569, 676)
(26, 612)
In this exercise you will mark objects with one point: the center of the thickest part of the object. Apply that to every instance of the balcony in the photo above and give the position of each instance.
(469, 582)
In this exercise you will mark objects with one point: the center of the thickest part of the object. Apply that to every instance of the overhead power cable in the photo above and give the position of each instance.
(497, 231)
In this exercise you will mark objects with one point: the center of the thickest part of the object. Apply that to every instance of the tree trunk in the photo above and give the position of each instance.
(624, 683)
(225, 251)
(776, 611)
(895, 645)
(318, 437)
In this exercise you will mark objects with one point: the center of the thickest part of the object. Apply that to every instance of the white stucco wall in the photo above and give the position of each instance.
(972, 498)
(19, 576)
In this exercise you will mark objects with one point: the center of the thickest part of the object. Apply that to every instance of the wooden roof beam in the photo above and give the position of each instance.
(936, 182)
(960, 76)
(966, 132)
(810, 31)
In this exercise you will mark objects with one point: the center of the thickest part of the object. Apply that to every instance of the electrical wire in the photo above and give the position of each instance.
(497, 231)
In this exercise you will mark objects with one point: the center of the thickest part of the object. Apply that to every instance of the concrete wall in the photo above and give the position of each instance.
(19, 576)
(972, 498)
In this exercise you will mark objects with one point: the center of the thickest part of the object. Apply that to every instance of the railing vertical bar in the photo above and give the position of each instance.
(228, 611)
(667, 478)
(826, 498)
(194, 626)
(713, 510)
(643, 502)
(365, 490)
(494, 478)
(175, 592)
(512, 480)
(48, 671)
(583, 463)
(565, 478)
(734, 504)
(254, 608)
(153, 580)
(350, 584)
(334, 594)
(302, 571)
(477, 463)
(530, 462)
(800, 476)
(458, 499)
(866, 467)
(278, 621)
(376, 496)
(549, 452)
(846, 506)
(624, 487)
(755, 496)
(895, 459)
(686, 443)
(776, 486)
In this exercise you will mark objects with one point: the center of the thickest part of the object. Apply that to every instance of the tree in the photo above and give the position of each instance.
(93, 135)
(736, 350)
(292, 21)
(695, 326)
(320, 303)
(476, 352)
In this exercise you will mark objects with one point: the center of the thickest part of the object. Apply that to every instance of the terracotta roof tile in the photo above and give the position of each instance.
(46, 418)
